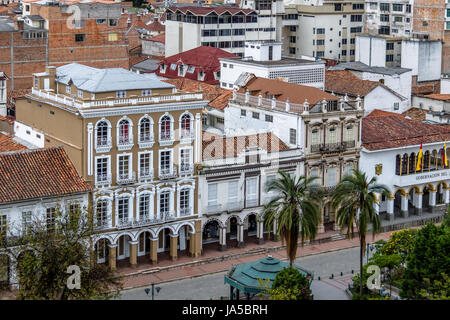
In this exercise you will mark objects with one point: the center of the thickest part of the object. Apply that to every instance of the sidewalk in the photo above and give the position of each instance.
(214, 261)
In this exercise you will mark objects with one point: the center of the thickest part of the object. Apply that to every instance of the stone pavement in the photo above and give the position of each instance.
(213, 261)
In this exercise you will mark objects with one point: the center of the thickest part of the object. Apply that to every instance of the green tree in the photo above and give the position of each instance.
(290, 284)
(296, 209)
(438, 290)
(48, 248)
(446, 221)
(400, 242)
(429, 259)
(354, 199)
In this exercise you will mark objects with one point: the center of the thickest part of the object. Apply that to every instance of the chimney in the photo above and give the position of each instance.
(138, 17)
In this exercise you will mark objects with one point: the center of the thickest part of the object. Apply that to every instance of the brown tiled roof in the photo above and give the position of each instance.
(283, 90)
(8, 120)
(156, 26)
(8, 144)
(343, 81)
(442, 97)
(218, 147)
(134, 60)
(382, 113)
(416, 114)
(394, 131)
(38, 173)
(159, 38)
(218, 97)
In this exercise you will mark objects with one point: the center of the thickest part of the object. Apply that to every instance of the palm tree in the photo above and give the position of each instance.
(296, 208)
(354, 197)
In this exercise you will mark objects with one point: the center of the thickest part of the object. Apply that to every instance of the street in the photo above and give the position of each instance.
(212, 285)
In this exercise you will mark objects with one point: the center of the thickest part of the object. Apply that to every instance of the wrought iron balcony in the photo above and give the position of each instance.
(126, 178)
(146, 173)
(102, 179)
(186, 168)
(166, 138)
(101, 224)
(166, 216)
(332, 147)
(125, 142)
(103, 144)
(185, 211)
(167, 173)
(124, 223)
(186, 136)
(146, 140)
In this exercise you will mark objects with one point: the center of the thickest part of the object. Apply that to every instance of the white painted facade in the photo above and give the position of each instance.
(383, 99)
(29, 134)
(371, 51)
(437, 110)
(445, 85)
(3, 94)
(423, 57)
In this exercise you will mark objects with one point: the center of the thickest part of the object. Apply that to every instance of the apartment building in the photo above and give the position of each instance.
(264, 59)
(333, 26)
(138, 141)
(389, 17)
(227, 28)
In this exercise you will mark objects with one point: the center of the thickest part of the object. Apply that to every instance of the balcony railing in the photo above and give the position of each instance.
(166, 138)
(186, 135)
(125, 142)
(124, 223)
(185, 211)
(167, 173)
(126, 178)
(103, 179)
(146, 140)
(101, 224)
(186, 168)
(333, 147)
(104, 144)
(146, 173)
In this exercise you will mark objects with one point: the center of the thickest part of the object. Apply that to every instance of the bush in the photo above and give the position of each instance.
(400, 242)
(290, 284)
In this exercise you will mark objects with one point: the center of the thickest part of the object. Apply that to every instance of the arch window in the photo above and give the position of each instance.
(332, 135)
(426, 161)
(405, 164)
(349, 133)
(412, 163)
(434, 160)
(186, 126)
(397, 164)
(145, 130)
(165, 129)
(102, 134)
(124, 132)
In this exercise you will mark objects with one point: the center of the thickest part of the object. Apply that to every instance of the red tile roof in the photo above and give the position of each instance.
(159, 38)
(435, 96)
(8, 144)
(204, 59)
(38, 173)
(203, 11)
(156, 26)
(8, 120)
(218, 147)
(283, 90)
(343, 81)
(416, 114)
(384, 131)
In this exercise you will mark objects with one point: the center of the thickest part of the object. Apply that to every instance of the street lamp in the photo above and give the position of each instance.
(147, 290)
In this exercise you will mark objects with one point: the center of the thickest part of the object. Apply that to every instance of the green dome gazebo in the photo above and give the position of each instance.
(246, 277)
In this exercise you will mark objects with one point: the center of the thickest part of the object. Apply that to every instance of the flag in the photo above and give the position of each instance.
(444, 158)
(419, 159)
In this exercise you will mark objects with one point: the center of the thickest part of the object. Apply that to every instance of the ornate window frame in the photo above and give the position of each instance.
(146, 144)
(171, 140)
(129, 145)
(108, 146)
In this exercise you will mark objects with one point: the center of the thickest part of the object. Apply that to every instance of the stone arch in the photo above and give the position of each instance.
(416, 188)
(239, 220)
(124, 233)
(170, 227)
(430, 187)
(152, 233)
(190, 224)
(443, 183)
(99, 237)
(220, 223)
(401, 190)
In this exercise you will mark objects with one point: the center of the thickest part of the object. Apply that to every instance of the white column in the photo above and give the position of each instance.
(419, 198)
(404, 206)
(240, 235)
(446, 195)
(390, 209)
(198, 138)
(222, 239)
(432, 200)
(260, 231)
(90, 149)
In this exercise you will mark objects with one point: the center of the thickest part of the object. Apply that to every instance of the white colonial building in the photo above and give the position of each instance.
(390, 147)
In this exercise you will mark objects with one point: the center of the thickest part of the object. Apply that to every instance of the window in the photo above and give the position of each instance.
(36, 81)
(80, 94)
(355, 29)
(124, 132)
(331, 177)
(113, 22)
(233, 192)
(191, 69)
(113, 37)
(181, 70)
(165, 128)
(390, 46)
(349, 133)
(79, 37)
(243, 113)
(344, 41)
(102, 169)
(124, 167)
(396, 105)
(123, 209)
(251, 196)
(397, 7)
(337, 7)
(185, 126)
(320, 30)
(101, 21)
(185, 202)
(212, 194)
(384, 6)
(389, 57)
(344, 52)
(352, 52)
(146, 92)
(173, 66)
(356, 18)
(384, 30)
(358, 6)
(352, 41)
(332, 135)
(320, 53)
(185, 160)
(121, 94)
(102, 213)
(50, 219)
(384, 17)
(3, 227)
(398, 19)
(292, 39)
(145, 165)
(291, 50)
(145, 134)
(255, 115)
(165, 161)
(348, 169)
(102, 133)
(292, 136)
(144, 206)
(269, 118)
(315, 137)
(68, 88)
(320, 42)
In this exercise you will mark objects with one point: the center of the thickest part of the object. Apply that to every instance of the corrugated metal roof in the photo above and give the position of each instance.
(104, 80)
